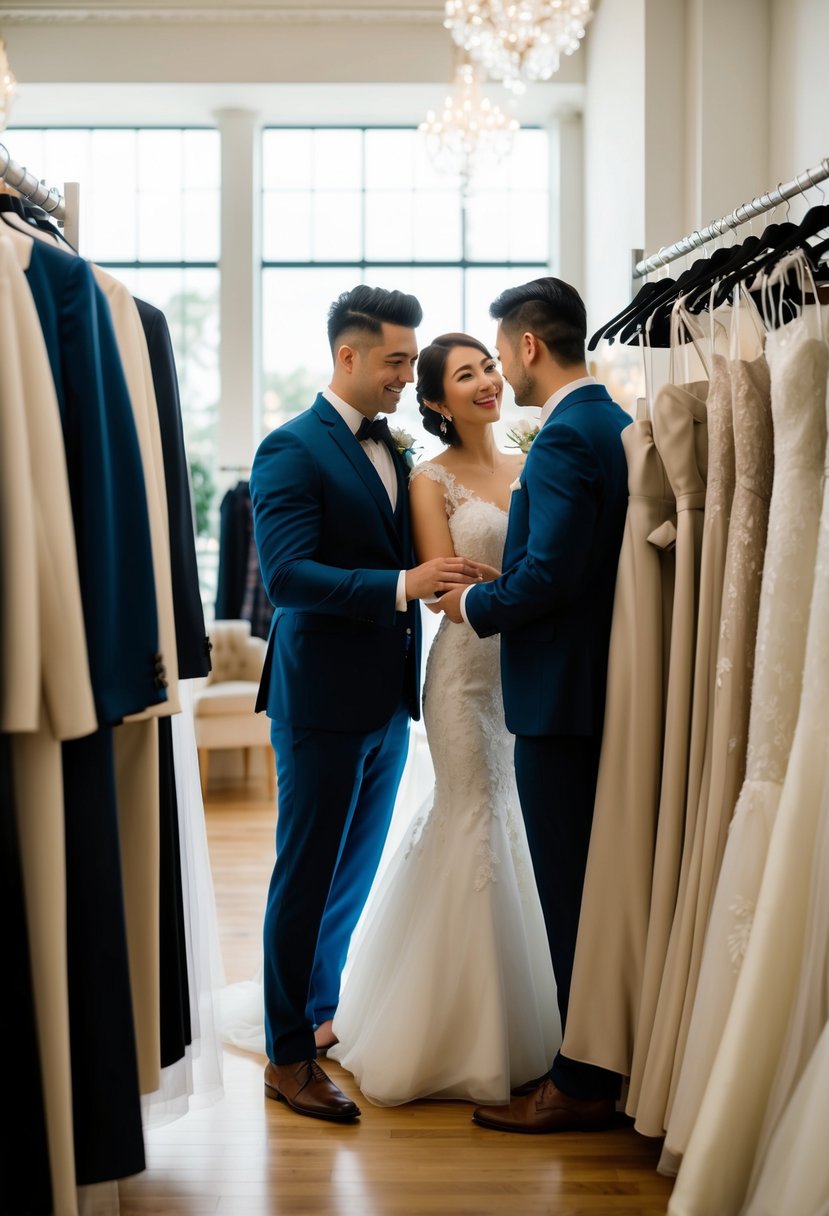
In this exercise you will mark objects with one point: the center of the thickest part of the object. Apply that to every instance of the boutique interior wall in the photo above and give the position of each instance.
(672, 113)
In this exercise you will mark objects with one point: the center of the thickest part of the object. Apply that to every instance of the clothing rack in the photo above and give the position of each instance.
(62, 207)
(739, 215)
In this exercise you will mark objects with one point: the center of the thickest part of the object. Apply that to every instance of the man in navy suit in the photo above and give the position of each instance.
(552, 606)
(341, 675)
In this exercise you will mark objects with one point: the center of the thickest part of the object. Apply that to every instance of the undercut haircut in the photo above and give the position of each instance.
(366, 308)
(551, 310)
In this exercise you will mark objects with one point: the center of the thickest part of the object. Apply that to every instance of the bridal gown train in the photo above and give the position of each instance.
(450, 990)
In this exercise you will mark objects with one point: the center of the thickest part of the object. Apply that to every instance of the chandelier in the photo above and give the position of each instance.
(517, 40)
(8, 84)
(470, 132)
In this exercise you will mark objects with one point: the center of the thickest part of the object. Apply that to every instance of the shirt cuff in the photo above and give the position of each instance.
(401, 603)
(464, 594)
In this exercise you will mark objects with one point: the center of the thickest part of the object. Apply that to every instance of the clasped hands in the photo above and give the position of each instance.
(446, 577)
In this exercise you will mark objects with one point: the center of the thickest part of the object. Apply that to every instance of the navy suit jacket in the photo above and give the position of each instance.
(106, 483)
(553, 603)
(340, 657)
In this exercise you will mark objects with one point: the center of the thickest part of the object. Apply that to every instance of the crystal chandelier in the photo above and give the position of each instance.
(8, 84)
(517, 40)
(470, 132)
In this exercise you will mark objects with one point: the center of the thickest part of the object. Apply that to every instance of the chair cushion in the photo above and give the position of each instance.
(231, 697)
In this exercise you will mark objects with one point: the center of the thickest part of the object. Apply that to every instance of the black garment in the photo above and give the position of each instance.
(240, 594)
(109, 1141)
(25, 1183)
(176, 1033)
(235, 529)
(191, 642)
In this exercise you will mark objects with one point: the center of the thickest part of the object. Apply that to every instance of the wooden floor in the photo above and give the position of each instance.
(248, 1156)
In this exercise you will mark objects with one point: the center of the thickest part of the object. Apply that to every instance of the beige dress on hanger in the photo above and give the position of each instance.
(607, 971)
(736, 662)
(725, 648)
(680, 431)
(765, 929)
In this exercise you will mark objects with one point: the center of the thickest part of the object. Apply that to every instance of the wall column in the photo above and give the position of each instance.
(239, 304)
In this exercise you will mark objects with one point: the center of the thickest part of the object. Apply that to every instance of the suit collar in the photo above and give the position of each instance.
(350, 448)
(588, 392)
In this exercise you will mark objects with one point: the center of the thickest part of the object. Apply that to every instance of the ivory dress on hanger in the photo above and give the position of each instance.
(766, 922)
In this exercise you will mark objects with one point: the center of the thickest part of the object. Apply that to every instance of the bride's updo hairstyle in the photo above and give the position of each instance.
(431, 367)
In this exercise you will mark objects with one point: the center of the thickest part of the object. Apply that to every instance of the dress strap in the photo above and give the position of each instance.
(453, 492)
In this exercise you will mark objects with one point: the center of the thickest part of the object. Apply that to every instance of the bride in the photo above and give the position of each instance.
(450, 990)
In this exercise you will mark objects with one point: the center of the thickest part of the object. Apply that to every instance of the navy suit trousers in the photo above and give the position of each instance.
(556, 778)
(336, 797)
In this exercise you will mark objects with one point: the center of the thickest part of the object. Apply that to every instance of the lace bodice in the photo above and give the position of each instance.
(462, 703)
(478, 528)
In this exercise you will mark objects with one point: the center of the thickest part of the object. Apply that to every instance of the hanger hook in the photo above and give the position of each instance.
(787, 201)
(815, 185)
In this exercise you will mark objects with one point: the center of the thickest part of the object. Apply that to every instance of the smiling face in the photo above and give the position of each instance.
(378, 368)
(472, 387)
(514, 368)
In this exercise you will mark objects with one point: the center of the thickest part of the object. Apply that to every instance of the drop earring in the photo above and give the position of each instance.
(442, 428)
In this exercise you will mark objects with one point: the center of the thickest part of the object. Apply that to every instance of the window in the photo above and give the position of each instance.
(345, 205)
(149, 212)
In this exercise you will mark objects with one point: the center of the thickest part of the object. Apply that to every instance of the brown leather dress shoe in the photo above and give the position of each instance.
(308, 1091)
(547, 1110)
(527, 1087)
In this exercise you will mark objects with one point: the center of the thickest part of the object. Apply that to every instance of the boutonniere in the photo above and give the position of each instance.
(404, 445)
(522, 435)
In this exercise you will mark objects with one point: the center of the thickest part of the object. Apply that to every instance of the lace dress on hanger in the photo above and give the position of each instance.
(449, 991)
(761, 908)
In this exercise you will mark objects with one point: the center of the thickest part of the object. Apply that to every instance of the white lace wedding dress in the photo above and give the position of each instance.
(449, 991)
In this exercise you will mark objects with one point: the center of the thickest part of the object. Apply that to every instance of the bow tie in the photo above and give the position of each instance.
(377, 429)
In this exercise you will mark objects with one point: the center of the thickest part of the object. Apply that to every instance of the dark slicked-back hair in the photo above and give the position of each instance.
(366, 308)
(431, 368)
(550, 309)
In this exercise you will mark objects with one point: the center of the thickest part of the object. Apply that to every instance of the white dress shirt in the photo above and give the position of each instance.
(546, 410)
(383, 461)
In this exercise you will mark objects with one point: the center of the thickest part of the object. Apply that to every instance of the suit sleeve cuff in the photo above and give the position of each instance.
(401, 603)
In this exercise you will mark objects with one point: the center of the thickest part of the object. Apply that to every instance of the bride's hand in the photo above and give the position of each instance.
(486, 573)
(438, 575)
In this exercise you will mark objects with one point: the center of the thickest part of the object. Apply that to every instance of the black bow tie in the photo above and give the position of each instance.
(377, 428)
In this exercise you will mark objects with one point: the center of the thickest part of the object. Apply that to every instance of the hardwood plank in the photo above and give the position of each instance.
(248, 1156)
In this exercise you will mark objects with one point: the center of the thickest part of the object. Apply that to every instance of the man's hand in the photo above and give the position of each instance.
(451, 605)
(443, 574)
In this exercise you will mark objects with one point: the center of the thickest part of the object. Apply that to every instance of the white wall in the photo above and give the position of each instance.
(798, 87)
(614, 161)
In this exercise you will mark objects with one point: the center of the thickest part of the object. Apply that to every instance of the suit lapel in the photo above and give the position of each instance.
(350, 449)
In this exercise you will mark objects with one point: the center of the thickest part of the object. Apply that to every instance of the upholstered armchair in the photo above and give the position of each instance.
(224, 706)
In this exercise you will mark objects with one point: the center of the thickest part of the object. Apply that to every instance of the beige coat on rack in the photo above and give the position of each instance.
(64, 702)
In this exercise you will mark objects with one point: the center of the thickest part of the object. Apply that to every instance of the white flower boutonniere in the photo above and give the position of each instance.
(404, 445)
(522, 435)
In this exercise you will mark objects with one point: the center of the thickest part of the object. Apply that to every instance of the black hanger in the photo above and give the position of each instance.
(658, 310)
(743, 265)
(815, 221)
(612, 327)
(12, 203)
